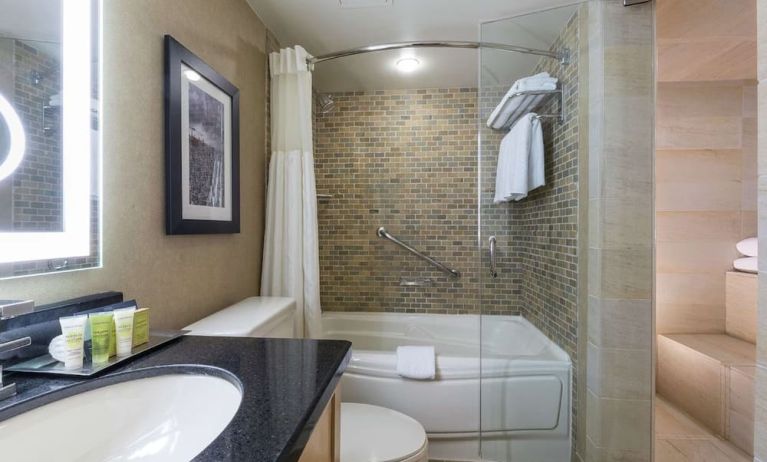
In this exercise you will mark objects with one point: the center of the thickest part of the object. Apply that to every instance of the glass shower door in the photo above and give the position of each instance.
(527, 242)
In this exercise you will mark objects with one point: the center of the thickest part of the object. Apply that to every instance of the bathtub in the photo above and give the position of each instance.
(524, 407)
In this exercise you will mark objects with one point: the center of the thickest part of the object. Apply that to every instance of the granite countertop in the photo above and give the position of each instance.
(286, 385)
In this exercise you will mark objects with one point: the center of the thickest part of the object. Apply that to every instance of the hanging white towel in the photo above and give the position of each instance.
(510, 108)
(746, 264)
(748, 247)
(520, 161)
(416, 362)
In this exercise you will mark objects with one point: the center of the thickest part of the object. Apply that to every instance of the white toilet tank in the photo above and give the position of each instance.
(252, 317)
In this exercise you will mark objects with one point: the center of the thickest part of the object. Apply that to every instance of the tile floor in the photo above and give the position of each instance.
(678, 438)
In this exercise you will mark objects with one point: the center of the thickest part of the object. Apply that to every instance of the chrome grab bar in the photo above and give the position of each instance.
(493, 270)
(383, 234)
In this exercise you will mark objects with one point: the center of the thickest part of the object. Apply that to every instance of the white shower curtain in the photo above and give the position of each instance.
(291, 251)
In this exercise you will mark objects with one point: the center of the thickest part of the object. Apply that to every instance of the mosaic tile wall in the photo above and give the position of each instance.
(405, 160)
(546, 225)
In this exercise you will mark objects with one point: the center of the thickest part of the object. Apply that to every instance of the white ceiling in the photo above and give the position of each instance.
(36, 20)
(322, 26)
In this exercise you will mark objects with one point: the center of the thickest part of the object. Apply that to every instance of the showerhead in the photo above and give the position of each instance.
(326, 103)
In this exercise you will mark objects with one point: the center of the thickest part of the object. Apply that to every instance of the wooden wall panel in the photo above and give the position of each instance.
(705, 198)
(703, 40)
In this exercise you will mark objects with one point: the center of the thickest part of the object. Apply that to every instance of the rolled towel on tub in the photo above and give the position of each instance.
(416, 362)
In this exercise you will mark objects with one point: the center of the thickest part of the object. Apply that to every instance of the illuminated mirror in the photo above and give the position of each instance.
(49, 136)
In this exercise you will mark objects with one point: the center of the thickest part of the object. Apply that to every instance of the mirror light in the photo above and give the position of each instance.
(18, 140)
(408, 64)
(74, 241)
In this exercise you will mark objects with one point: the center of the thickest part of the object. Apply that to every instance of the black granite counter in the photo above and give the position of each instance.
(286, 385)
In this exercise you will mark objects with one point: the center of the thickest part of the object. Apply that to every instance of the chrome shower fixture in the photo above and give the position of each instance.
(326, 103)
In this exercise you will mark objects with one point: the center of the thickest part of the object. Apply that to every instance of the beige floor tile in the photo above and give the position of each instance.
(666, 452)
(672, 423)
(707, 451)
(679, 438)
(734, 454)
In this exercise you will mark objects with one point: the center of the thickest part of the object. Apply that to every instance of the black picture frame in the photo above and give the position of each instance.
(179, 220)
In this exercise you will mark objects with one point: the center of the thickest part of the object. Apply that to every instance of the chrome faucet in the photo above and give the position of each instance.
(6, 391)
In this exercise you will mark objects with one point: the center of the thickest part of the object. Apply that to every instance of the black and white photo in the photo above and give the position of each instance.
(202, 152)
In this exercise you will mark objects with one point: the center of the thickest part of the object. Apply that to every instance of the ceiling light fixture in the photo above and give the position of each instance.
(191, 75)
(408, 64)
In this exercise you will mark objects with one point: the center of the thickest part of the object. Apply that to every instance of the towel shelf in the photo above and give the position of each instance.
(529, 101)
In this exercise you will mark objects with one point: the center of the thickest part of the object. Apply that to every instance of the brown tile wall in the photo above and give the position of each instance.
(406, 160)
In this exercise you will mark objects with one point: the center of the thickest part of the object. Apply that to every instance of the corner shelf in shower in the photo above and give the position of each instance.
(525, 102)
(49, 127)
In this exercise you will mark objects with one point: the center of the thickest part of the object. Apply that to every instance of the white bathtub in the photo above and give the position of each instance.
(525, 402)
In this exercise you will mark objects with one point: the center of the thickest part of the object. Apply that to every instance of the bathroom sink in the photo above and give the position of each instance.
(162, 418)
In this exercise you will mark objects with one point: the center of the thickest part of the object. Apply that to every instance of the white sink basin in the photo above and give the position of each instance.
(165, 418)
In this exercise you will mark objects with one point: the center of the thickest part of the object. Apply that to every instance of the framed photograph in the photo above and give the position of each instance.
(202, 159)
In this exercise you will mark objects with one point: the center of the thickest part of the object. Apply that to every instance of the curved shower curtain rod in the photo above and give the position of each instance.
(563, 56)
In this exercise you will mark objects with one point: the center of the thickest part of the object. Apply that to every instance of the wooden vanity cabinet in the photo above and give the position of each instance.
(325, 442)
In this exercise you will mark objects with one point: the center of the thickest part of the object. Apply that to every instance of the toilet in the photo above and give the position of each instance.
(378, 434)
(368, 433)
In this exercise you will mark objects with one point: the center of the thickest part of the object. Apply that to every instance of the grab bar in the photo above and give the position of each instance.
(493, 270)
(385, 235)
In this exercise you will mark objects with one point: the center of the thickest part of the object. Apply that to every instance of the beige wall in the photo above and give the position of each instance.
(705, 197)
(181, 277)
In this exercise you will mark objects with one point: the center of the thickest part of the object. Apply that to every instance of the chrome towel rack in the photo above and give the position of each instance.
(529, 101)
(383, 234)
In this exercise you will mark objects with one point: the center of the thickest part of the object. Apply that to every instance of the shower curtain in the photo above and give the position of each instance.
(291, 250)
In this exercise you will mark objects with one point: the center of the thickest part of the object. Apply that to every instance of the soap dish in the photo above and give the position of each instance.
(47, 365)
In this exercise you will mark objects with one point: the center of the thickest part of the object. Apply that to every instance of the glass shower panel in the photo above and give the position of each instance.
(398, 151)
(529, 298)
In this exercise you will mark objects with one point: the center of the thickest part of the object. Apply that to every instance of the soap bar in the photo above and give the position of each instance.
(141, 327)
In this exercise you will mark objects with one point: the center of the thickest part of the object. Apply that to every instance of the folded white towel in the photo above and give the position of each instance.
(748, 247)
(520, 161)
(542, 81)
(510, 108)
(416, 362)
(55, 100)
(746, 264)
